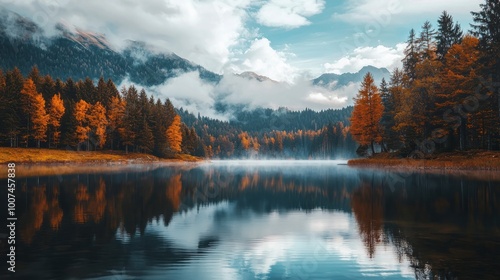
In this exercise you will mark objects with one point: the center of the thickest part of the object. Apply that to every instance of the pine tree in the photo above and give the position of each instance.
(47, 88)
(56, 111)
(116, 114)
(86, 91)
(390, 137)
(485, 27)
(13, 118)
(366, 115)
(426, 43)
(174, 135)
(34, 75)
(448, 34)
(411, 58)
(145, 139)
(132, 118)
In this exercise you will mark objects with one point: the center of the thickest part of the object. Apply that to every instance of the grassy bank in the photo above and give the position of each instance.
(468, 160)
(45, 162)
(42, 156)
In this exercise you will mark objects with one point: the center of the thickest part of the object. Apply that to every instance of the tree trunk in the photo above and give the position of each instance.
(373, 149)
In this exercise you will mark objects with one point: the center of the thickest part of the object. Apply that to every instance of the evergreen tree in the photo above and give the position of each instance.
(411, 58)
(116, 114)
(447, 35)
(486, 28)
(390, 137)
(13, 117)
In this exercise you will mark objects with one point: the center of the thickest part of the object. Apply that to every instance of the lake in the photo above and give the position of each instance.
(257, 220)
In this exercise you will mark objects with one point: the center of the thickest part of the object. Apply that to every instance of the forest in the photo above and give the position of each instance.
(38, 111)
(446, 96)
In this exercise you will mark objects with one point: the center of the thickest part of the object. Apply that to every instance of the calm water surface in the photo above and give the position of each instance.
(257, 220)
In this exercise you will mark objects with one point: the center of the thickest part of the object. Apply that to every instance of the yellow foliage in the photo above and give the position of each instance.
(174, 135)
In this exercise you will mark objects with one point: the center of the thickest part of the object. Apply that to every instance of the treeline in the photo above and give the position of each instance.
(446, 96)
(38, 111)
(268, 133)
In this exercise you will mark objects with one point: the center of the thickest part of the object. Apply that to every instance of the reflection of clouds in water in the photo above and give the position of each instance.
(255, 244)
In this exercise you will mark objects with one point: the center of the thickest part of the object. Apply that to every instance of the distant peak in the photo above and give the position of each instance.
(254, 76)
(82, 37)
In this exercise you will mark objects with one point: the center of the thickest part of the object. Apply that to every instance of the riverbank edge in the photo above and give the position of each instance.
(469, 161)
(32, 156)
(46, 162)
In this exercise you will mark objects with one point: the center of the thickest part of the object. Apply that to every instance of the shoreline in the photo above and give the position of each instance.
(460, 161)
(43, 162)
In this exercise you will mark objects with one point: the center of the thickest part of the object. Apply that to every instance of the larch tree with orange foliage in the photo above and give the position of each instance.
(82, 122)
(366, 115)
(35, 109)
(98, 122)
(56, 111)
(458, 82)
(174, 135)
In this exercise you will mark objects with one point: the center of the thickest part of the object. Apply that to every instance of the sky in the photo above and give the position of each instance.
(288, 41)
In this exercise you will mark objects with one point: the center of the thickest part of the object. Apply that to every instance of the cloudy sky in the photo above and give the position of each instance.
(286, 40)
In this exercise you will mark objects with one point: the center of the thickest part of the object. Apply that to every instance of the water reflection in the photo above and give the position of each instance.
(247, 221)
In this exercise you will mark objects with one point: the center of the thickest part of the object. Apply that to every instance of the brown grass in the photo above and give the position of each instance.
(37, 162)
(27, 155)
(469, 160)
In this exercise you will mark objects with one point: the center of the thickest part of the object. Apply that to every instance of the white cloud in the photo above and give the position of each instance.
(197, 96)
(386, 11)
(379, 56)
(201, 31)
(289, 13)
(262, 59)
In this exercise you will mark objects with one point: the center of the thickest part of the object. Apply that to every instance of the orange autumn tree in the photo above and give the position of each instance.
(34, 107)
(366, 115)
(82, 122)
(98, 122)
(458, 83)
(174, 135)
(56, 111)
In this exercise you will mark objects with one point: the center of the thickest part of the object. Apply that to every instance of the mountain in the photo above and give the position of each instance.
(79, 54)
(334, 81)
(254, 76)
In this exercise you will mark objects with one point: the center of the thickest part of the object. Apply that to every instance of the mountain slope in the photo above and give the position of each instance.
(334, 81)
(79, 54)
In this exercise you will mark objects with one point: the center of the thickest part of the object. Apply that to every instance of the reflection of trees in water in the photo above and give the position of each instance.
(446, 227)
(83, 213)
(368, 210)
(128, 202)
(437, 222)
